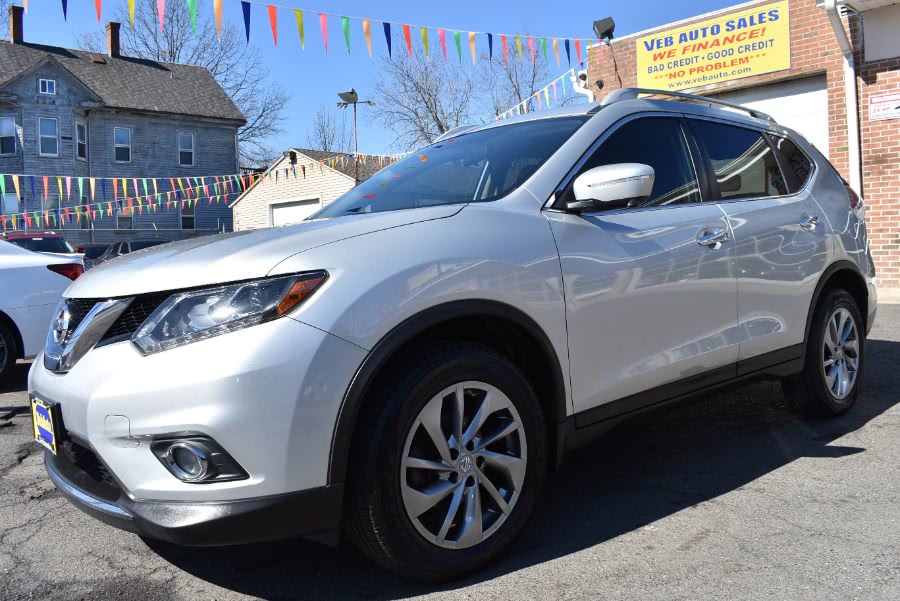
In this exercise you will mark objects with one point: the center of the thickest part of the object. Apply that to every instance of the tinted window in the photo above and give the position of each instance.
(44, 245)
(659, 143)
(476, 167)
(744, 164)
(94, 252)
(797, 165)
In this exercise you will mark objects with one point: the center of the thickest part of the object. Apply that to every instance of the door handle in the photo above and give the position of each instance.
(809, 222)
(714, 239)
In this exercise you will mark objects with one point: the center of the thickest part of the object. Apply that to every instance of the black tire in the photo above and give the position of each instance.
(807, 391)
(7, 359)
(375, 517)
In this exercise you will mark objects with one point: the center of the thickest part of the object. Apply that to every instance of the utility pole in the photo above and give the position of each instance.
(348, 98)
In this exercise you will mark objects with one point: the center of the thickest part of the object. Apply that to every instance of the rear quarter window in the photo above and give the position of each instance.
(797, 166)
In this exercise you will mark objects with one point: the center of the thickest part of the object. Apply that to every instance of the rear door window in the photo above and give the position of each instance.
(743, 163)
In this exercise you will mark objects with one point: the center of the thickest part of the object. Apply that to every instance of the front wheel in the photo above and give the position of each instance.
(8, 351)
(833, 367)
(448, 465)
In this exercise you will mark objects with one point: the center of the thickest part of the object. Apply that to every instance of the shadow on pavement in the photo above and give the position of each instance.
(17, 381)
(645, 470)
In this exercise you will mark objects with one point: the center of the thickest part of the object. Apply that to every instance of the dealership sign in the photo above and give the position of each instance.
(886, 106)
(741, 44)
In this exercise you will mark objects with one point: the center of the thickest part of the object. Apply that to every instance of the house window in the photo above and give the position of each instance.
(185, 149)
(124, 216)
(7, 135)
(122, 143)
(81, 141)
(48, 87)
(188, 222)
(10, 203)
(50, 202)
(48, 136)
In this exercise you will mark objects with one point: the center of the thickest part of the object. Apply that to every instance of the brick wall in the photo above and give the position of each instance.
(815, 52)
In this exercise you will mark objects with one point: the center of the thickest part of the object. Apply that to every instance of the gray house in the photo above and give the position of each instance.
(82, 114)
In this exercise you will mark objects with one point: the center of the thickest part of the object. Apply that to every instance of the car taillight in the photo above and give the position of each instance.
(70, 270)
(855, 200)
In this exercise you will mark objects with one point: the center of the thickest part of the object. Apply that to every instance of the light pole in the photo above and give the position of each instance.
(348, 98)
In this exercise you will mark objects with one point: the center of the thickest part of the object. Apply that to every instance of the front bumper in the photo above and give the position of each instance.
(313, 513)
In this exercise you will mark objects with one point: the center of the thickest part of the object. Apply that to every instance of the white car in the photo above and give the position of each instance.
(31, 285)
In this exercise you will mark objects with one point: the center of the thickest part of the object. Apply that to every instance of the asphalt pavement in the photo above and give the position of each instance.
(728, 497)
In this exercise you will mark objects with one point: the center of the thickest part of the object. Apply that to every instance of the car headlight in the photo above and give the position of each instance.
(194, 315)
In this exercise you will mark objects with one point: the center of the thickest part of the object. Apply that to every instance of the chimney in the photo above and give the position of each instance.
(112, 39)
(15, 24)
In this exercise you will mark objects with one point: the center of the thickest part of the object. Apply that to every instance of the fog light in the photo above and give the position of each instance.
(197, 459)
(187, 461)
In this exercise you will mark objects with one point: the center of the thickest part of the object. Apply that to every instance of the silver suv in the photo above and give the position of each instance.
(406, 365)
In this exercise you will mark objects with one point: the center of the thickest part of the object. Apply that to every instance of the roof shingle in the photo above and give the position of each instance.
(129, 83)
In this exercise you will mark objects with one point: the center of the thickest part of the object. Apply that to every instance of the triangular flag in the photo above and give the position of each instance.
(80, 188)
(568, 55)
(556, 50)
(578, 50)
(472, 45)
(192, 12)
(544, 49)
(323, 24)
(161, 12)
(65, 7)
(345, 25)
(2, 186)
(59, 185)
(98, 4)
(387, 36)
(490, 46)
(217, 9)
(407, 37)
(68, 187)
(531, 48)
(519, 48)
(15, 179)
(245, 6)
(425, 43)
(458, 45)
(298, 16)
(93, 183)
(367, 32)
(505, 49)
(442, 36)
(273, 22)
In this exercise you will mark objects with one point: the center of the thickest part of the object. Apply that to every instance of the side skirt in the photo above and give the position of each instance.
(584, 427)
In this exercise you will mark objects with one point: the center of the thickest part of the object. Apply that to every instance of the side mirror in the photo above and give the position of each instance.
(612, 186)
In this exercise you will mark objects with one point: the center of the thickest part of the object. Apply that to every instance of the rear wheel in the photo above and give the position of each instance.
(9, 351)
(833, 367)
(446, 470)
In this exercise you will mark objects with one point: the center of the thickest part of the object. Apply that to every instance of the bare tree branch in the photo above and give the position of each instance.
(236, 66)
(328, 132)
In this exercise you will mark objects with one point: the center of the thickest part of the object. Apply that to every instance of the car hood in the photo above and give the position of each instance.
(232, 257)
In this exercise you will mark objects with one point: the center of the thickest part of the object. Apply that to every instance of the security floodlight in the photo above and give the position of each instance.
(350, 97)
(604, 28)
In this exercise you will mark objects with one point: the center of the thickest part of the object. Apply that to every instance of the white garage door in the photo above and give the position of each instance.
(285, 213)
(801, 104)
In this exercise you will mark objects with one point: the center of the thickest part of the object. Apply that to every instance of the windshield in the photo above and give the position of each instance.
(92, 252)
(477, 167)
(44, 245)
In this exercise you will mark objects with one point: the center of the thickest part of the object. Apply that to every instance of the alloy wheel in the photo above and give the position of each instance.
(463, 465)
(840, 353)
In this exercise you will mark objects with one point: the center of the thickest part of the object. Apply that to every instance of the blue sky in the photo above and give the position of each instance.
(314, 78)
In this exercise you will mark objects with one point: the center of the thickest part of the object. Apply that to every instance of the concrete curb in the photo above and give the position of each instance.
(889, 296)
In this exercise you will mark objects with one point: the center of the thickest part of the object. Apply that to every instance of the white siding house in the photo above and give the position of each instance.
(291, 198)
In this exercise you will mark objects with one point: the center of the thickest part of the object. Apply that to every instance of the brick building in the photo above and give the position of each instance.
(823, 49)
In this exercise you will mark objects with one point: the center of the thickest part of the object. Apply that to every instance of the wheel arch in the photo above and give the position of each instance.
(841, 274)
(468, 320)
(20, 343)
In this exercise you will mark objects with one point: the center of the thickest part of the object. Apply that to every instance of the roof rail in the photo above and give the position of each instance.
(634, 93)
